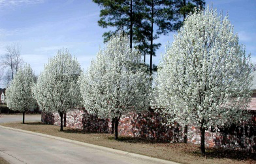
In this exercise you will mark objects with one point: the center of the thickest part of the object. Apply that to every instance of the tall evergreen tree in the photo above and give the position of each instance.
(145, 20)
(119, 14)
(160, 17)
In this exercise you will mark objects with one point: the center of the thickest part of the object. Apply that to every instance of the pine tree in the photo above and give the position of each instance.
(117, 14)
(145, 20)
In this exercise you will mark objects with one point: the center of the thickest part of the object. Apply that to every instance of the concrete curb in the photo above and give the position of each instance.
(156, 160)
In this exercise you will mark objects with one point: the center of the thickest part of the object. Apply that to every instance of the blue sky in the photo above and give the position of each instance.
(41, 27)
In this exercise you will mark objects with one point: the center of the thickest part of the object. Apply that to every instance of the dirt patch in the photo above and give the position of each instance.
(3, 161)
(178, 152)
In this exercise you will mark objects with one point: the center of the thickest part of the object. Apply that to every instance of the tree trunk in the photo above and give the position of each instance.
(61, 121)
(23, 118)
(113, 126)
(131, 24)
(12, 69)
(184, 14)
(151, 37)
(116, 128)
(185, 133)
(65, 119)
(202, 129)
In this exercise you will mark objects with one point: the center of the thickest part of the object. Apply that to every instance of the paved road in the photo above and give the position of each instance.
(19, 117)
(22, 147)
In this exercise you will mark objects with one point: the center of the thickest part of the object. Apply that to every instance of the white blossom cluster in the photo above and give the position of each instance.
(19, 93)
(57, 89)
(116, 82)
(204, 77)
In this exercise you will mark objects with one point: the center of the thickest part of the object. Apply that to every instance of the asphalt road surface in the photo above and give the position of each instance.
(21, 147)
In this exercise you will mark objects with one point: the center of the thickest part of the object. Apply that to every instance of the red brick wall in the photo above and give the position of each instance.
(77, 119)
(240, 138)
(148, 125)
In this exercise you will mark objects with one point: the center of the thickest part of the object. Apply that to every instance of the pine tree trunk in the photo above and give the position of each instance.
(131, 24)
(116, 128)
(23, 118)
(186, 134)
(184, 14)
(151, 37)
(65, 119)
(202, 129)
(61, 121)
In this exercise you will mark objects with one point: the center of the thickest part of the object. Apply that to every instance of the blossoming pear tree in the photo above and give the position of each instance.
(204, 77)
(57, 89)
(19, 93)
(116, 83)
(92, 86)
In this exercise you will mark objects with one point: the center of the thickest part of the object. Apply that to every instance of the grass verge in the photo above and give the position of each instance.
(3, 161)
(178, 152)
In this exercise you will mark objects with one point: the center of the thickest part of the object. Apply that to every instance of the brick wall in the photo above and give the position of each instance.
(235, 137)
(147, 125)
(77, 119)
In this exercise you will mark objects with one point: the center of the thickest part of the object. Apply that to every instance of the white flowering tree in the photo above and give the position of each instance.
(93, 87)
(19, 93)
(204, 78)
(116, 83)
(57, 89)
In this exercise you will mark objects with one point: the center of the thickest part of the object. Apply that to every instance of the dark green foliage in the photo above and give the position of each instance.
(145, 20)
(114, 13)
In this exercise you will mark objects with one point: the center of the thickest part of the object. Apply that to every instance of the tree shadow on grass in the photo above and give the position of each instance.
(34, 123)
(224, 153)
(128, 139)
(80, 131)
(73, 131)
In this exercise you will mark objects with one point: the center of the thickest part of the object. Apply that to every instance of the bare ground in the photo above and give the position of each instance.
(178, 152)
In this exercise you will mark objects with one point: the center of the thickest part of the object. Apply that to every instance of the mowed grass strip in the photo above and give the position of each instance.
(178, 152)
(3, 161)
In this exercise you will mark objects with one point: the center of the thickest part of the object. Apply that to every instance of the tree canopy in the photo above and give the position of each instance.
(57, 89)
(19, 93)
(144, 20)
(116, 83)
(204, 78)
